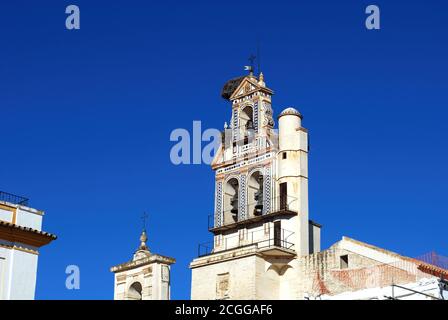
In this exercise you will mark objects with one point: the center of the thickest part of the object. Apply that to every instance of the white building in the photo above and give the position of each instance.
(21, 236)
(145, 277)
(264, 244)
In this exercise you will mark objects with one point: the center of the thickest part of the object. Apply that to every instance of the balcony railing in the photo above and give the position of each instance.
(260, 239)
(246, 141)
(277, 204)
(12, 198)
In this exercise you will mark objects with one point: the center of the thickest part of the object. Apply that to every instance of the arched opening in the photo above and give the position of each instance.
(255, 194)
(135, 291)
(231, 201)
(247, 124)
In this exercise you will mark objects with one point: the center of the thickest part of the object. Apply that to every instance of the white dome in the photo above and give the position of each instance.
(290, 111)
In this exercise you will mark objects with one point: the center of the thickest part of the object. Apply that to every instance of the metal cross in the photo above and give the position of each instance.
(144, 217)
(251, 59)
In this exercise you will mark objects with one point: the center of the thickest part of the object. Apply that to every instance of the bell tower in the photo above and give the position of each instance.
(145, 277)
(260, 224)
(243, 189)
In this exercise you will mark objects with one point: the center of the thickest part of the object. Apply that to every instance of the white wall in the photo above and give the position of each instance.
(6, 215)
(20, 284)
(4, 283)
(23, 279)
(29, 219)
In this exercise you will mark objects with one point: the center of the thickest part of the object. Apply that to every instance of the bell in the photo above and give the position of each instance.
(250, 125)
(258, 211)
(234, 204)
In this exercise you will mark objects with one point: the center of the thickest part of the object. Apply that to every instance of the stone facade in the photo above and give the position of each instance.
(145, 277)
(348, 269)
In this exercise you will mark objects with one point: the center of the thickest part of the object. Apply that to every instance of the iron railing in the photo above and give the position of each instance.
(279, 239)
(12, 198)
(278, 204)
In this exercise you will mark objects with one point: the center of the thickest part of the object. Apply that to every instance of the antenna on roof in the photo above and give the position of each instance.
(258, 57)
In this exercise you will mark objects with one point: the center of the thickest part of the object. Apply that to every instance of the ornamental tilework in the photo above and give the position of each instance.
(242, 198)
(267, 188)
(218, 204)
(256, 116)
(235, 124)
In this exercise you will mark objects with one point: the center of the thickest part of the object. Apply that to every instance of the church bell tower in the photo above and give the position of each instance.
(260, 224)
(145, 277)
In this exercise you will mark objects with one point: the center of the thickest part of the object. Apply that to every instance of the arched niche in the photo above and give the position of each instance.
(231, 201)
(255, 194)
(246, 115)
(247, 126)
(135, 291)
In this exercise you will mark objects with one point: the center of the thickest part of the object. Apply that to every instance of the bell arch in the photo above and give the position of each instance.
(246, 115)
(135, 291)
(246, 122)
(255, 193)
(231, 200)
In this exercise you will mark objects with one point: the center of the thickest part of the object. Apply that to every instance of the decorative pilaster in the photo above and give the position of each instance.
(242, 198)
(235, 124)
(256, 125)
(218, 204)
(267, 189)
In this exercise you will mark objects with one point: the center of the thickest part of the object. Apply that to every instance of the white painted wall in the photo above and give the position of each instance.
(6, 215)
(21, 283)
(29, 219)
(23, 279)
(3, 273)
(18, 262)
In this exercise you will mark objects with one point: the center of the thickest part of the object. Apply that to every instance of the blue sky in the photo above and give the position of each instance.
(86, 118)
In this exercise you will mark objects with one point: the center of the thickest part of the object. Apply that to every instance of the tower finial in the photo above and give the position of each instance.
(143, 239)
(261, 80)
(143, 236)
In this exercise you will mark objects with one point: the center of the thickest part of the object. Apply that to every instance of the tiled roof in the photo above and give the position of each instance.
(18, 234)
